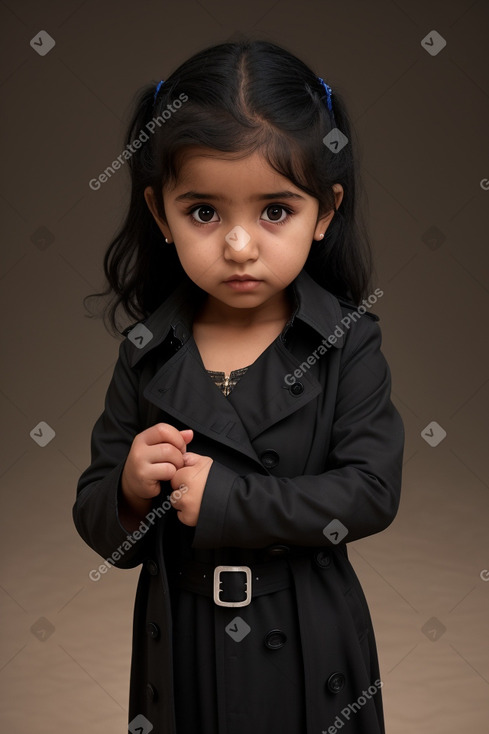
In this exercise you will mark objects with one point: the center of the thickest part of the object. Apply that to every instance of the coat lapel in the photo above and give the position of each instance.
(262, 397)
(182, 388)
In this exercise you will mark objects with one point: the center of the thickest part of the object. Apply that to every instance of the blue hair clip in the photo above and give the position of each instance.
(158, 86)
(329, 101)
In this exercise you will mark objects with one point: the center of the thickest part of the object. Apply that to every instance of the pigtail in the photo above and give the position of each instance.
(138, 265)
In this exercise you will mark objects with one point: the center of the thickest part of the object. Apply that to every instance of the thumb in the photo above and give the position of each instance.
(190, 459)
(187, 434)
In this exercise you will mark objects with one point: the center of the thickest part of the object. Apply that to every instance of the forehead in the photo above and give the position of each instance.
(215, 168)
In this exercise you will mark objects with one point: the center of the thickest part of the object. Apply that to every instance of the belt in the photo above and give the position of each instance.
(237, 581)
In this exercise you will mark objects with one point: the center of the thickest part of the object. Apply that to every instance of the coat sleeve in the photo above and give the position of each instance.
(357, 496)
(95, 512)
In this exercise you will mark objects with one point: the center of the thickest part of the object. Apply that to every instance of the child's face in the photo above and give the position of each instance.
(237, 216)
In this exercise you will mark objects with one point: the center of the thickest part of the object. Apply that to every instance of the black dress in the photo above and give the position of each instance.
(254, 649)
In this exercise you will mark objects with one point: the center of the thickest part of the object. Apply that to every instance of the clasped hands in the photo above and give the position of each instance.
(160, 454)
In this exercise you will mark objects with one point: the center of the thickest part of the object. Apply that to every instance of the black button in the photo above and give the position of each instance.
(275, 639)
(322, 558)
(278, 550)
(297, 388)
(151, 692)
(151, 567)
(270, 458)
(153, 630)
(336, 682)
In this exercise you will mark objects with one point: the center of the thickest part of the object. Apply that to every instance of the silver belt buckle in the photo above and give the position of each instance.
(217, 584)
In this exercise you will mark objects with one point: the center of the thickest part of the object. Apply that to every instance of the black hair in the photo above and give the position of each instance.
(237, 97)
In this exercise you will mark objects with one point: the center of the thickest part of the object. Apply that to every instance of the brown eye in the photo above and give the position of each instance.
(203, 214)
(275, 213)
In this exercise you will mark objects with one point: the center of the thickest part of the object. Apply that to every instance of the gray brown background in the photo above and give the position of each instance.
(422, 124)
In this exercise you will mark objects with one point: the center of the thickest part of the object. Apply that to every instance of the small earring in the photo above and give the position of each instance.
(167, 241)
(321, 236)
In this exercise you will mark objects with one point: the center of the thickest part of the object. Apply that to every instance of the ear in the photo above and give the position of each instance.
(324, 221)
(149, 196)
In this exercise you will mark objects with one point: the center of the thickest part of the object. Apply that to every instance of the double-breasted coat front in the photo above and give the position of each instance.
(307, 454)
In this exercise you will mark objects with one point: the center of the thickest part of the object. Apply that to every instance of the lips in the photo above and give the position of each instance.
(243, 283)
(240, 277)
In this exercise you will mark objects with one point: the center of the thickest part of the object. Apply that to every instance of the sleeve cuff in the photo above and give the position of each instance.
(108, 537)
(210, 525)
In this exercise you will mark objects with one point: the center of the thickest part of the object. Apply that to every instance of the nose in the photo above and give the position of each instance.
(239, 245)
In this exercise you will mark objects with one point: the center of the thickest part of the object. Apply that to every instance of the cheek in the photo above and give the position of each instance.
(296, 259)
(197, 258)
(290, 247)
(187, 256)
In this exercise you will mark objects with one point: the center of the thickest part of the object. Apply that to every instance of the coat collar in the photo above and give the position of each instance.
(315, 306)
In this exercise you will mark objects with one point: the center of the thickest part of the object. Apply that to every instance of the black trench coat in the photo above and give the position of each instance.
(292, 453)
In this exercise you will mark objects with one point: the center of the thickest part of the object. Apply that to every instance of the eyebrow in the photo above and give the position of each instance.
(194, 195)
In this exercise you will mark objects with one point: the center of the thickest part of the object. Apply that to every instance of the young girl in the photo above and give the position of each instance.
(248, 433)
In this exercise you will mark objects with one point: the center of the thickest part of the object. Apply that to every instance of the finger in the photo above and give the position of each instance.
(187, 434)
(164, 433)
(163, 453)
(163, 472)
